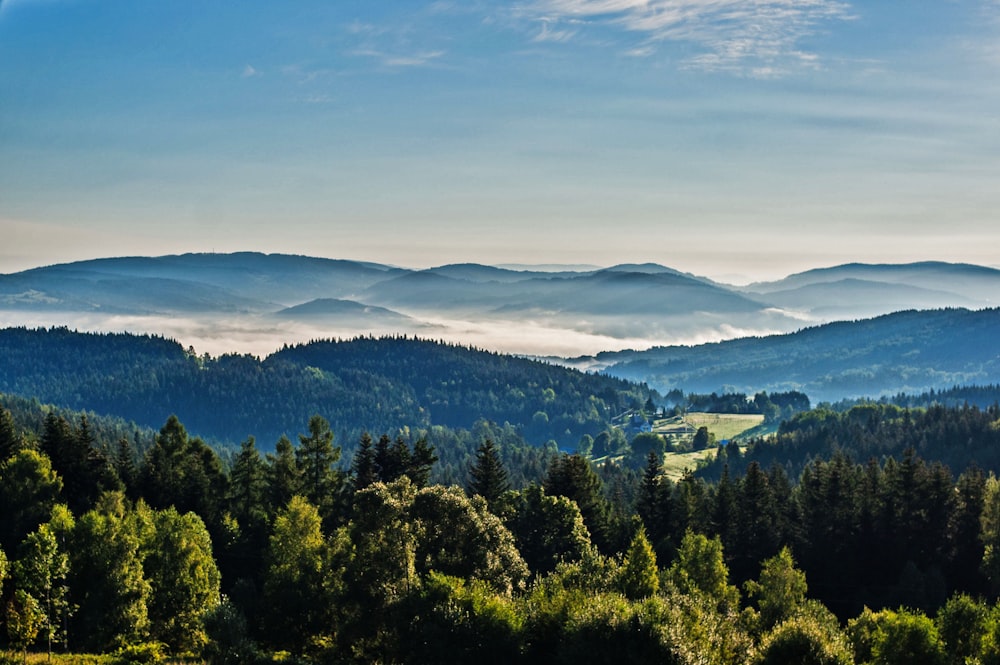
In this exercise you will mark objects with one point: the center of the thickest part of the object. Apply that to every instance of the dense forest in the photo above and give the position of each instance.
(298, 556)
(907, 351)
(362, 384)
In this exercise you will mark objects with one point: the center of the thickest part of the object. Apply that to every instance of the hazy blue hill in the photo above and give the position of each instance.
(631, 293)
(79, 290)
(969, 281)
(263, 278)
(333, 309)
(850, 297)
(909, 351)
(374, 384)
(474, 272)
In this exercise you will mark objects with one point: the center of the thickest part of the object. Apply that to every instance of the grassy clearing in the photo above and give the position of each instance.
(724, 425)
(675, 464)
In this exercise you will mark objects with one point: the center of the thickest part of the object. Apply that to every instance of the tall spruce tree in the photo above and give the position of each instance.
(488, 475)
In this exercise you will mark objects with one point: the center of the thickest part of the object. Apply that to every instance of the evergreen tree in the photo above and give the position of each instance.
(421, 460)
(315, 457)
(284, 476)
(363, 466)
(573, 477)
(10, 438)
(639, 576)
(488, 477)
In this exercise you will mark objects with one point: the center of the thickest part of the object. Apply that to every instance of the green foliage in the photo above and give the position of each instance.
(183, 578)
(897, 637)
(962, 625)
(700, 569)
(548, 529)
(488, 478)
(300, 582)
(455, 621)
(803, 640)
(362, 384)
(458, 536)
(107, 580)
(29, 489)
(639, 577)
(315, 457)
(42, 571)
(780, 591)
(573, 477)
(25, 618)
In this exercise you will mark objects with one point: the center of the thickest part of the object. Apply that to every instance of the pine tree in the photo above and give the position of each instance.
(639, 575)
(283, 474)
(488, 475)
(363, 465)
(10, 439)
(315, 456)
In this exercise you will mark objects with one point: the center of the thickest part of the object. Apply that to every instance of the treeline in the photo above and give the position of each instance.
(958, 437)
(294, 556)
(773, 406)
(363, 384)
(973, 395)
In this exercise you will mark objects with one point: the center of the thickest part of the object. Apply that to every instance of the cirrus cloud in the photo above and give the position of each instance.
(761, 38)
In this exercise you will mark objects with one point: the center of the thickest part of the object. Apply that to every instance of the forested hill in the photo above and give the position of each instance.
(910, 351)
(363, 384)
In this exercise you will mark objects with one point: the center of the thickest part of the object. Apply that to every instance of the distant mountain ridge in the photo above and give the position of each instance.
(904, 352)
(254, 302)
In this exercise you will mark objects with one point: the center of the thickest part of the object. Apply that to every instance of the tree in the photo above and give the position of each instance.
(897, 637)
(990, 531)
(183, 578)
(702, 439)
(299, 583)
(42, 571)
(363, 465)
(29, 489)
(315, 457)
(106, 578)
(639, 575)
(488, 476)
(458, 536)
(573, 477)
(10, 439)
(804, 640)
(700, 568)
(25, 619)
(548, 530)
(780, 591)
(962, 625)
(283, 474)
(183, 472)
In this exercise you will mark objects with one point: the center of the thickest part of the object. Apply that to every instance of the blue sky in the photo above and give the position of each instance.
(740, 140)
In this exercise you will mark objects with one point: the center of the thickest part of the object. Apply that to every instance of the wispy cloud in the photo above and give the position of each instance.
(548, 34)
(249, 72)
(761, 38)
(417, 59)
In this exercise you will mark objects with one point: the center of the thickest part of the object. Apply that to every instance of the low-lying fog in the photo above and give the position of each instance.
(261, 336)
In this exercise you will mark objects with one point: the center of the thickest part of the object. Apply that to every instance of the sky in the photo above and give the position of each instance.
(734, 139)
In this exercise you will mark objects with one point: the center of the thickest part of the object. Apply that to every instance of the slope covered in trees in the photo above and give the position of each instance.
(285, 555)
(909, 351)
(374, 384)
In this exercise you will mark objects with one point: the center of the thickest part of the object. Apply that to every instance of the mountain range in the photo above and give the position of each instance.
(257, 303)
(252, 302)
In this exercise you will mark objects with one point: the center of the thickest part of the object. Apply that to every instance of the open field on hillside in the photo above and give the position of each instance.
(722, 425)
